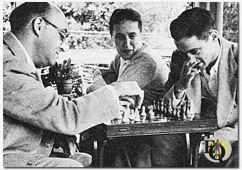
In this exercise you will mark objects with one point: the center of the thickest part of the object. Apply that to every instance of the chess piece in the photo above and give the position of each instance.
(162, 108)
(143, 114)
(154, 106)
(188, 111)
(177, 109)
(169, 110)
(157, 113)
(126, 116)
(132, 116)
(151, 113)
(183, 112)
(136, 115)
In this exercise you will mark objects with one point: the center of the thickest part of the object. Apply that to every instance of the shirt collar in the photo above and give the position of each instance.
(123, 62)
(27, 57)
(135, 55)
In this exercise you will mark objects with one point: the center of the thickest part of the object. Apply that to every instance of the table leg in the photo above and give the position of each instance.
(101, 152)
(189, 153)
(99, 147)
(195, 155)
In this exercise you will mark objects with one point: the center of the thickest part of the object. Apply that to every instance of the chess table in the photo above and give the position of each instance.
(192, 129)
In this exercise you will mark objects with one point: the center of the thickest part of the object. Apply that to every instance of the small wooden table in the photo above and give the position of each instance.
(109, 132)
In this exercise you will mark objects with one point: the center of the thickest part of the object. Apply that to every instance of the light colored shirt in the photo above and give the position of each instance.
(123, 65)
(212, 79)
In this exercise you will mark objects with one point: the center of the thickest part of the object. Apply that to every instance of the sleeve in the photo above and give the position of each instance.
(230, 133)
(111, 75)
(177, 60)
(176, 65)
(104, 77)
(26, 100)
(97, 83)
(142, 70)
(174, 75)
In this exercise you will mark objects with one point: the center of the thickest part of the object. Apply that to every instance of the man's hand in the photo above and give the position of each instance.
(129, 90)
(96, 72)
(191, 67)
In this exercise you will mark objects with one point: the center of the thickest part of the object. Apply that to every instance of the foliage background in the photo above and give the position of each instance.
(231, 21)
(89, 43)
(88, 21)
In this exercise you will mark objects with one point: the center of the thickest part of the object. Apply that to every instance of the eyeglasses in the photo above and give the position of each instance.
(63, 32)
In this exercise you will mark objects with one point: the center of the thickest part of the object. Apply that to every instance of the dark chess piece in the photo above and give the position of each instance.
(183, 112)
(158, 110)
(162, 108)
(169, 110)
(154, 107)
(178, 113)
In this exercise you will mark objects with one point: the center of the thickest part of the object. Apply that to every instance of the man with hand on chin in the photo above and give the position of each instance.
(204, 69)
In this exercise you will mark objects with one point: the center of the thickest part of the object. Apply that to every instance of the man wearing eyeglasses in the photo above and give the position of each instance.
(34, 115)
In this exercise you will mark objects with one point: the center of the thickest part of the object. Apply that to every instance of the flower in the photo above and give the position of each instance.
(63, 71)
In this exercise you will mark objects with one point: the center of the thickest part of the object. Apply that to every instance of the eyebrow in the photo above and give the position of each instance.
(132, 33)
(192, 50)
(119, 34)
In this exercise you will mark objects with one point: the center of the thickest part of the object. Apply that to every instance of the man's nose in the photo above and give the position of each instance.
(127, 43)
(191, 56)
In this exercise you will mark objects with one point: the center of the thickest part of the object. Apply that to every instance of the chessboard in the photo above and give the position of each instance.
(160, 118)
(161, 111)
(159, 128)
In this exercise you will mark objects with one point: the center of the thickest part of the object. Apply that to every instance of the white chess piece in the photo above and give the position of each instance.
(126, 116)
(136, 115)
(143, 114)
(151, 113)
(132, 116)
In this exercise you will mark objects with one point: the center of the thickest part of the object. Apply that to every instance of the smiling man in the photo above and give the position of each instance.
(136, 62)
(205, 70)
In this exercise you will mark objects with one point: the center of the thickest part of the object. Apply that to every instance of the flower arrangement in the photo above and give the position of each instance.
(64, 75)
(63, 71)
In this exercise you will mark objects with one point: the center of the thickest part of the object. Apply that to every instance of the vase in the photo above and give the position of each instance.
(64, 86)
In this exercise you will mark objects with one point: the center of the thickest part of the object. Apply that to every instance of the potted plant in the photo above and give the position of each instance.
(64, 75)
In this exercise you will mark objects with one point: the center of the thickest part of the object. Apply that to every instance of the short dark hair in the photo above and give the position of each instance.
(193, 22)
(21, 15)
(120, 15)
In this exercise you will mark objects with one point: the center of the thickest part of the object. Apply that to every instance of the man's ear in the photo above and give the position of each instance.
(214, 34)
(37, 25)
(112, 40)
